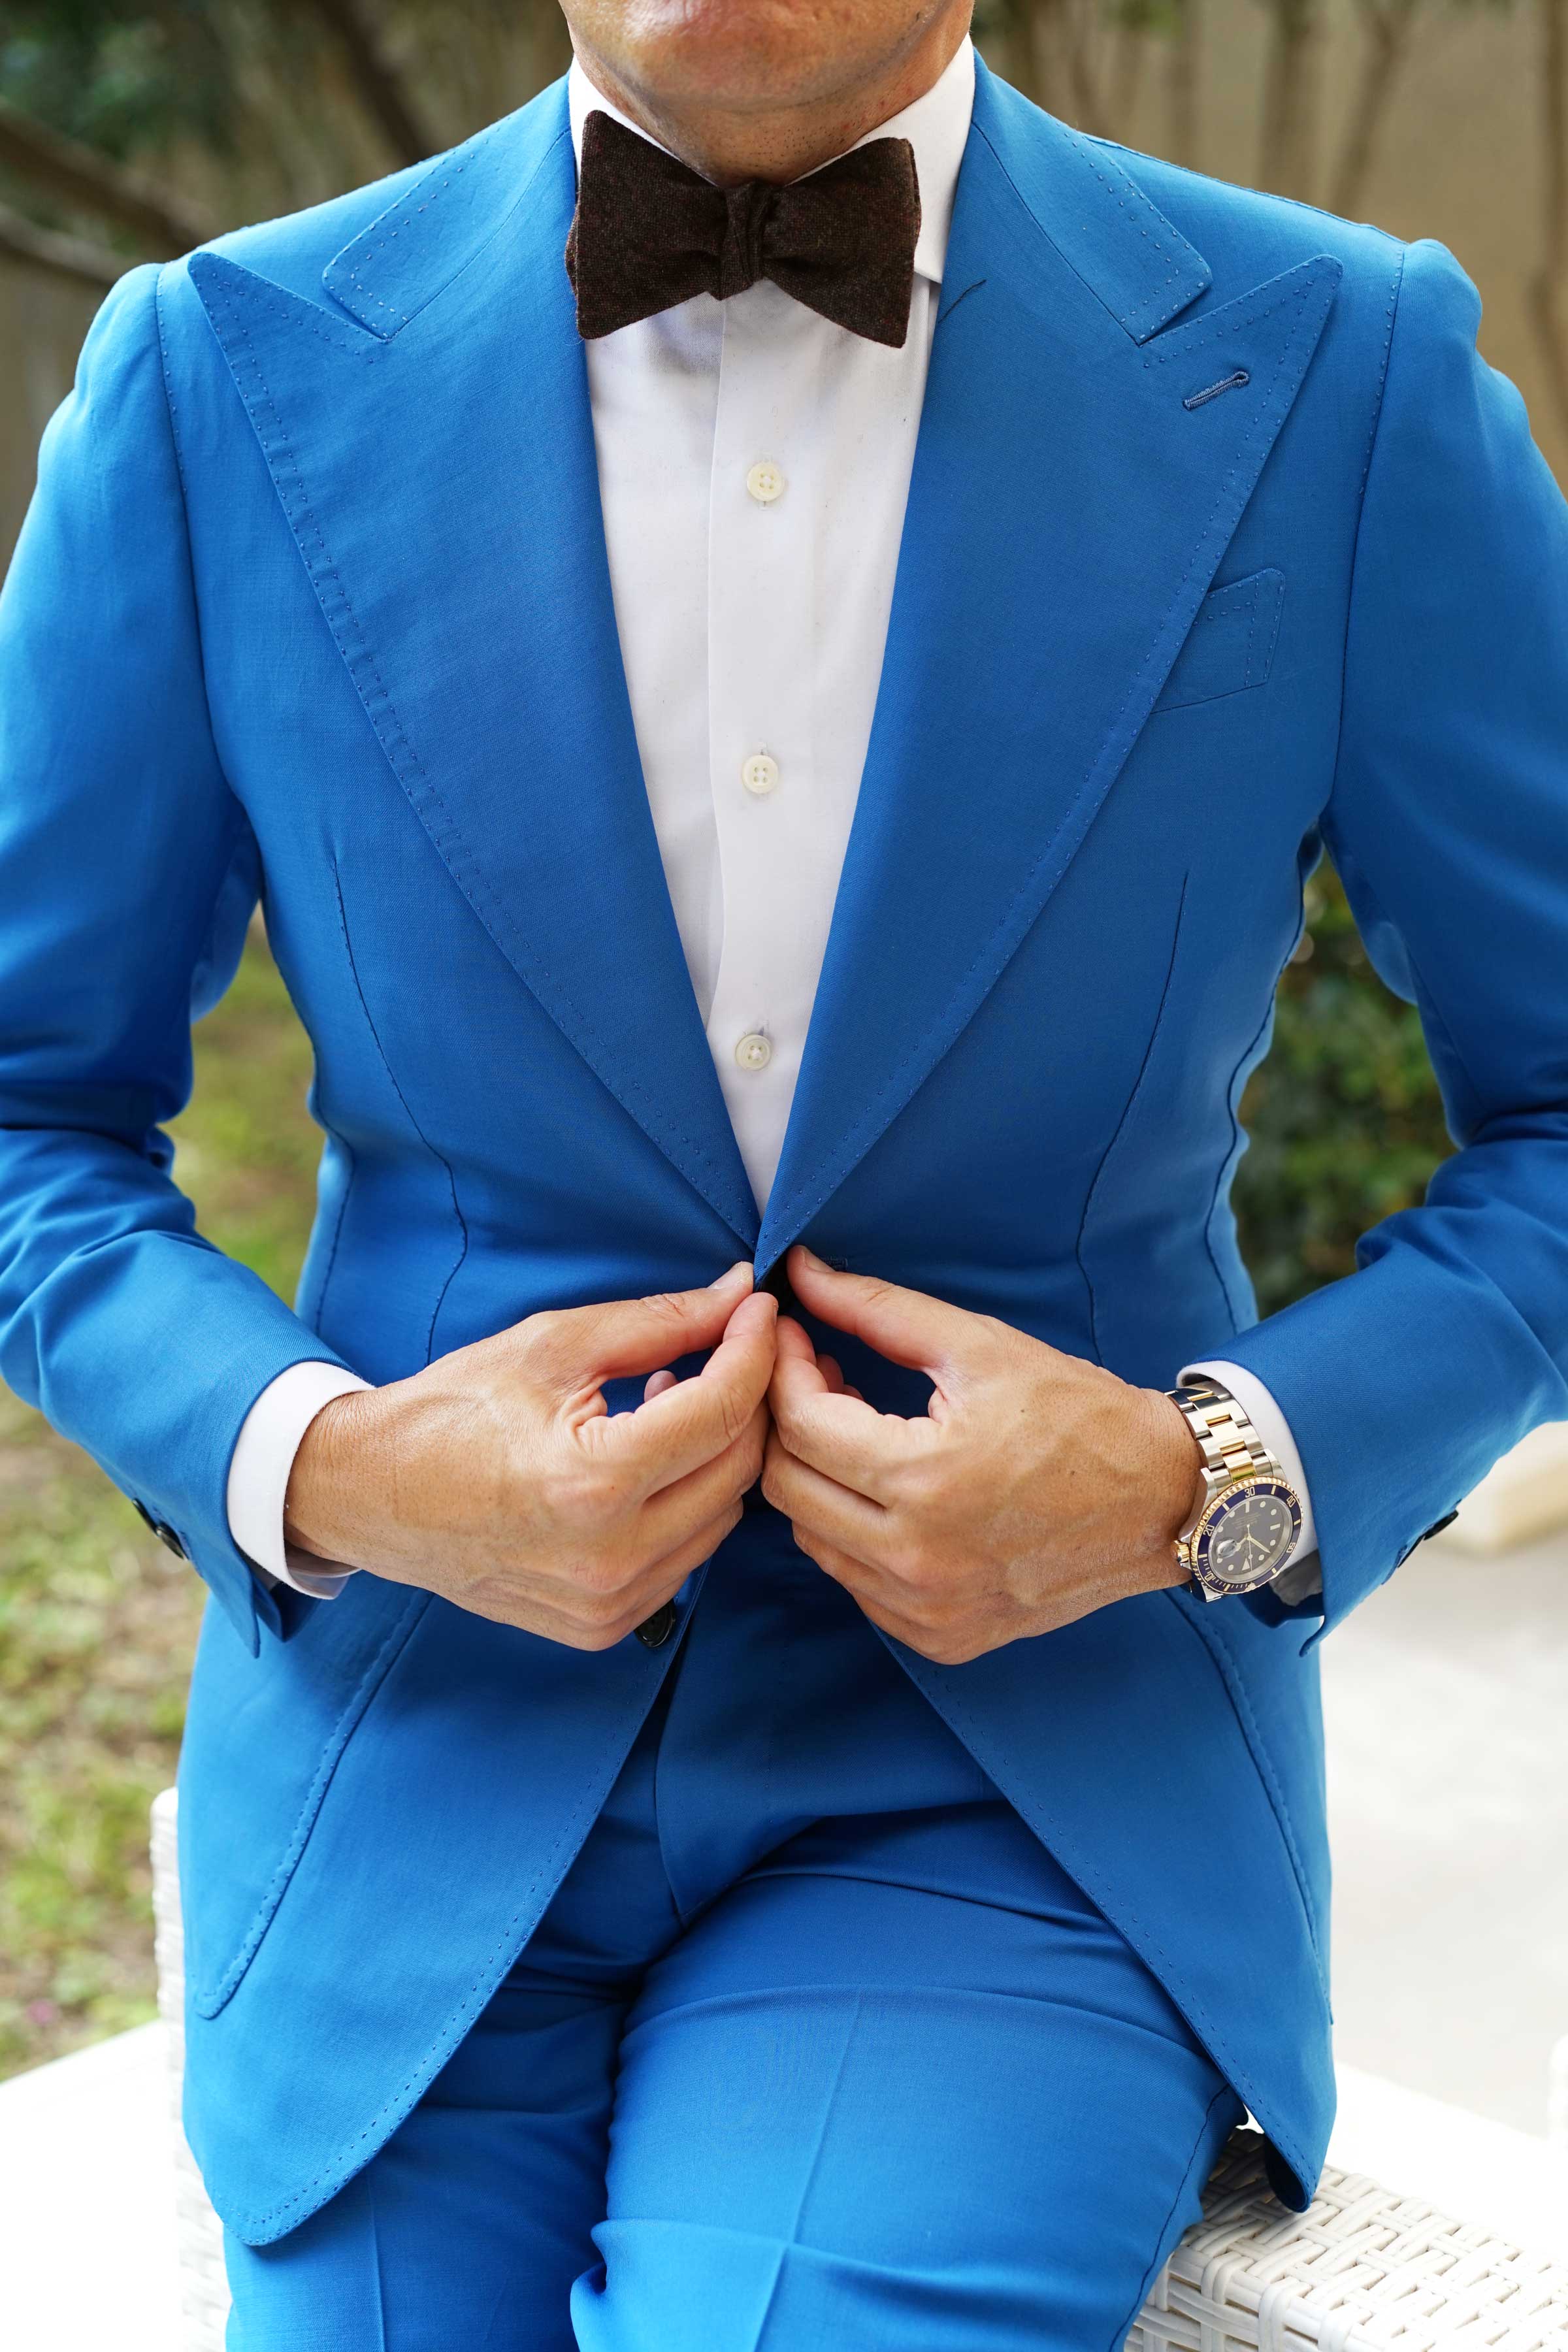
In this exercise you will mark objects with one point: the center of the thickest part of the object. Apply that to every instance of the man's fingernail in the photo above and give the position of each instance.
(811, 1257)
(742, 1266)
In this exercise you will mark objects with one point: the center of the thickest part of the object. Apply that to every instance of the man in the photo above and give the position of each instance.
(776, 634)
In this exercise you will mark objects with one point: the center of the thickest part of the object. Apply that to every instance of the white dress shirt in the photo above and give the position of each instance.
(754, 463)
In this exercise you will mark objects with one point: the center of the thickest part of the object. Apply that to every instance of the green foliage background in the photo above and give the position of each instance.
(1344, 1117)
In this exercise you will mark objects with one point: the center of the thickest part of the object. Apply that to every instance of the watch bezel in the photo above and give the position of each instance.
(1219, 1506)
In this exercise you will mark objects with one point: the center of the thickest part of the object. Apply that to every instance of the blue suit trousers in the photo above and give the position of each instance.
(815, 2047)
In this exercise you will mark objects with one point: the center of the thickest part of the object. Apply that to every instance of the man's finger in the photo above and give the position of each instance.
(672, 1512)
(668, 1575)
(581, 1345)
(835, 1433)
(841, 1565)
(584, 1627)
(905, 1326)
(823, 1508)
(689, 1423)
(662, 1578)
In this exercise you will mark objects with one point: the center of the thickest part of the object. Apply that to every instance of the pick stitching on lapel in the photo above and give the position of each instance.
(437, 471)
(1065, 517)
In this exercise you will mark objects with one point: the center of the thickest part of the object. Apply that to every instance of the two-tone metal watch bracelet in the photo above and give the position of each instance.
(1227, 1441)
(1239, 1476)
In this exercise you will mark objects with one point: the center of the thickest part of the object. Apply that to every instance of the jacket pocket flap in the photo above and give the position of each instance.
(1230, 646)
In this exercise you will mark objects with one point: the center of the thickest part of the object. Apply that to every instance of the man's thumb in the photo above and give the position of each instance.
(627, 1336)
(906, 1326)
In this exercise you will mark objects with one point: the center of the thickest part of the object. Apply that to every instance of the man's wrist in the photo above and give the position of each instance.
(323, 1504)
(260, 1467)
(1175, 1480)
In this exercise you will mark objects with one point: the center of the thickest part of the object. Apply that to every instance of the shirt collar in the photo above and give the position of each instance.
(936, 126)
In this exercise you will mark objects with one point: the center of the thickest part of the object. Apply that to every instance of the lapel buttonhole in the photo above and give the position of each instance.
(1213, 391)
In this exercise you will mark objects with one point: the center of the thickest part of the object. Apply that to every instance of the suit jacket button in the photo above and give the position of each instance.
(655, 1631)
(165, 1535)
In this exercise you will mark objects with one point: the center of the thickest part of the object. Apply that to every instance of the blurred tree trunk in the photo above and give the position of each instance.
(1546, 285)
(1039, 45)
(1128, 59)
(1032, 52)
(1184, 83)
(1077, 23)
(82, 180)
(63, 256)
(1289, 144)
(1387, 28)
(380, 89)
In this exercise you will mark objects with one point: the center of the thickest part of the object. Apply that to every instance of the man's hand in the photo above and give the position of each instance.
(499, 1477)
(1037, 1488)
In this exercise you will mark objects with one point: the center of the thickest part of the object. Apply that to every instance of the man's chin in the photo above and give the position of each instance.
(741, 56)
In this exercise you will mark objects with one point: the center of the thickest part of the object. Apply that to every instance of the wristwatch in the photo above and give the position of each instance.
(1248, 1516)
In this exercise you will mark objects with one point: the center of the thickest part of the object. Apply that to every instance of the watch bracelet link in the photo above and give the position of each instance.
(1226, 1441)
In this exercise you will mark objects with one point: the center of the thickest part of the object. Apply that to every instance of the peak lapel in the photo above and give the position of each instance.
(435, 459)
(1066, 514)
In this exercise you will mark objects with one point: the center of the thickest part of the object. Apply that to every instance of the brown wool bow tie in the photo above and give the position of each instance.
(649, 233)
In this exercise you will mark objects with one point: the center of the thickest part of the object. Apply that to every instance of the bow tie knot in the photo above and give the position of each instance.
(746, 211)
(648, 232)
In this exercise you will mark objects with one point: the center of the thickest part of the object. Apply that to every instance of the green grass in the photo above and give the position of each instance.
(98, 1622)
(97, 1619)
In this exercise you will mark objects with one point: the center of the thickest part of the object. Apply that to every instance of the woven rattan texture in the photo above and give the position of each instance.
(1365, 2271)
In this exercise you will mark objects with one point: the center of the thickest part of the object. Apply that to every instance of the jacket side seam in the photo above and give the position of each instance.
(1127, 1110)
(439, 1157)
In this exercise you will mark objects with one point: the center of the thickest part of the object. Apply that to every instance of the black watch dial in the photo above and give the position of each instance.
(1249, 1538)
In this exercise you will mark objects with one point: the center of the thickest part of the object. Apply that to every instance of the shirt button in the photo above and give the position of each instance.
(765, 481)
(754, 1052)
(759, 773)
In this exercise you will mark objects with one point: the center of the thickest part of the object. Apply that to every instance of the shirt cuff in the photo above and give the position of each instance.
(1299, 1577)
(258, 1476)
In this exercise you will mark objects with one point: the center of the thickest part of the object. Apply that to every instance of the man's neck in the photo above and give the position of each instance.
(731, 142)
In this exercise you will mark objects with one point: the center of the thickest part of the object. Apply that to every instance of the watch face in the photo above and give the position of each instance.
(1248, 1537)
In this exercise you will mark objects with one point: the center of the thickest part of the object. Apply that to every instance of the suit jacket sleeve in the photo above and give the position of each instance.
(128, 872)
(1448, 825)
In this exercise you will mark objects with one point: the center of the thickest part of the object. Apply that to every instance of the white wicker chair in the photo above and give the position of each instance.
(1364, 2270)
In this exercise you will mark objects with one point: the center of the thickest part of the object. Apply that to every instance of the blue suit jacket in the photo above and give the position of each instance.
(313, 604)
